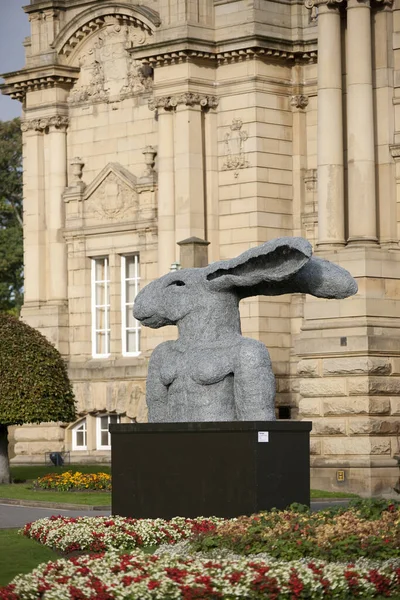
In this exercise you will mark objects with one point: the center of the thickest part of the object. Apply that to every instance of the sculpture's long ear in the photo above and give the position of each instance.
(282, 266)
(324, 279)
(268, 264)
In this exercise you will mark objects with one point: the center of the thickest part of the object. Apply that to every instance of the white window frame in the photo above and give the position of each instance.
(82, 423)
(99, 445)
(125, 304)
(95, 306)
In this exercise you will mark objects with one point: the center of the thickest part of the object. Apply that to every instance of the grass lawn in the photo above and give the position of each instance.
(332, 495)
(19, 554)
(23, 491)
(29, 472)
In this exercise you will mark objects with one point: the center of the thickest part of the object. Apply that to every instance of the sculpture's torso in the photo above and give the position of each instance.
(201, 383)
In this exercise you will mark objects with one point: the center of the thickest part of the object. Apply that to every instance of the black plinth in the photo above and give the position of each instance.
(222, 469)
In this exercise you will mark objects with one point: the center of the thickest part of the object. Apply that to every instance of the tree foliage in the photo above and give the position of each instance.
(34, 381)
(11, 242)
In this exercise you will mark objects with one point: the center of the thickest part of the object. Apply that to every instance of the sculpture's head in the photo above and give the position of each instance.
(281, 266)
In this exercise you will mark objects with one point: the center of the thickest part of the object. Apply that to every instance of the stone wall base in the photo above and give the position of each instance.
(366, 481)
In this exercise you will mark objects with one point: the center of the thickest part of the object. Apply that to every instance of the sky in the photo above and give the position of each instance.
(14, 27)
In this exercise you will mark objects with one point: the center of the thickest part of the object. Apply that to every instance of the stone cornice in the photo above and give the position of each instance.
(229, 56)
(18, 83)
(187, 98)
(181, 51)
(44, 124)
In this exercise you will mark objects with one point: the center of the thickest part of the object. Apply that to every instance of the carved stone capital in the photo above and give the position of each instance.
(299, 101)
(188, 99)
(395, 151)
(44, 124)
(314, 4)
(383, 4)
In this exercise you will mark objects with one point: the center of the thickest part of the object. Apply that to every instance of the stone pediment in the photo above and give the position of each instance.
(112, 195)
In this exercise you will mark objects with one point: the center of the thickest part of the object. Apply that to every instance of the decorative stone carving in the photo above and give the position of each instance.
(108, 72)
(310, 180)
(211, 372)
(112, 195)
(188, 98)
(45, 123)
(149, 158)
(77, 169)
(235, 139)
(299, 101)
(313, 6)
(136, 80)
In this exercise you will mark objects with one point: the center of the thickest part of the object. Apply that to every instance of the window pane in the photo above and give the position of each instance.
(101, 343)
(104, 423)
(130, 267)
(100, 270)
(104, 439)
(100, 318)
(80, 438)
(130, 320)
(130, 291)
(101, 293)
(132, 341)
(114, 419)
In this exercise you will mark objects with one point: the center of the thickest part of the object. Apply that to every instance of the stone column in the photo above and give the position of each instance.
(34, 214)
(360, 125)
(166, 185)
(55, 210)
(189, 169)
(330, 126)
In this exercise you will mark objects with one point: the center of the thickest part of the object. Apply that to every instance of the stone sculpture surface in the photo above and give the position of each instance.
(211, 372)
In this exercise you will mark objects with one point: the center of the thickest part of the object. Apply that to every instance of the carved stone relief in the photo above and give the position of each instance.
(235, 157)
(113, 200)
(112, 195)
(108, 72)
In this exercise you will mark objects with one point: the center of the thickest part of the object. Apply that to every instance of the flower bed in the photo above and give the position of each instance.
(98, 534)
(140, 576)
(287, 535)
(327, 535)
(70, 481)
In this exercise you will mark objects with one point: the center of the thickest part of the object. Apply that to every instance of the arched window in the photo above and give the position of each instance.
(79, 436)
(103, 435)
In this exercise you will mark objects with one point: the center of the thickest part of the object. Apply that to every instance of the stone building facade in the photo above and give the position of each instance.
(231, 122)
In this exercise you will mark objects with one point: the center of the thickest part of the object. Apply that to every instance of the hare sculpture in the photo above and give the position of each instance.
(211, 372)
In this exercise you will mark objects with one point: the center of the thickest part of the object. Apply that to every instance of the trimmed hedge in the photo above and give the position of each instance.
(34, 382)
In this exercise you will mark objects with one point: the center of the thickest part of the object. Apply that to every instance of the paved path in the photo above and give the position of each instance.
(18, 516)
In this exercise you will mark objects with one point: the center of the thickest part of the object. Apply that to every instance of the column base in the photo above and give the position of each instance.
(361, 241)
(322, 246)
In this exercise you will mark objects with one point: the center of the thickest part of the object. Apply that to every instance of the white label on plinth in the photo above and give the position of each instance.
(263, 436)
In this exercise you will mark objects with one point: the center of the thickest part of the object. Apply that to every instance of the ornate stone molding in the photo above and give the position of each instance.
(231, 56)
(188, 99)
(98, 23)
(45, 123)
(314, 4)
(299, 101)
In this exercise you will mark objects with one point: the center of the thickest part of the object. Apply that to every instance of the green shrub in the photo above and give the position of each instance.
(34, 382)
